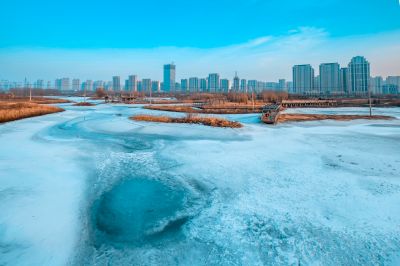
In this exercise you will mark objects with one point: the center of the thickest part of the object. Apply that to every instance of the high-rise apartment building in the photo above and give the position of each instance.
(236, 83)
(132, 83)
(89, 85)
(282, 85)
(376, 85)
(65, 84)
(344, 80)
(155, 86)
(169, 78)
(184, 85)
(359, 75)
(194, 85)
(243, 85)
(303, 79)
(213, 82)
(116, 83)
(393, 80)
(224, 85)
(252, 85)
(203, 85)
(39, 84)
(146, 85)
(76, 84)
(98, 84)
(329, 78)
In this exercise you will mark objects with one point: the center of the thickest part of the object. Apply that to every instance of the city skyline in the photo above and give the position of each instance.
(332, 79)
(263, 44)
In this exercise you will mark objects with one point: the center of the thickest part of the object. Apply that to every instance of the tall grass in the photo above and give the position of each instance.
(10, 111)
(189, 119)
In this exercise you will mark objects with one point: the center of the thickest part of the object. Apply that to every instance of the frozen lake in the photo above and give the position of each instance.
(90, 187)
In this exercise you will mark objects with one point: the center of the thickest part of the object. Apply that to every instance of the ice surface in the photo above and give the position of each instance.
(90, 187)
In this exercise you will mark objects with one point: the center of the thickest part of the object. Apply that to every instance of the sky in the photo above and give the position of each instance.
(260, 39)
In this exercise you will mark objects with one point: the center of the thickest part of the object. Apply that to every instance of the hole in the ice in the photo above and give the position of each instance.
(137, 211)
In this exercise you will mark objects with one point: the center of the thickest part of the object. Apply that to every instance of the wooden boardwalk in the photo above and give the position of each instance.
(308, 103)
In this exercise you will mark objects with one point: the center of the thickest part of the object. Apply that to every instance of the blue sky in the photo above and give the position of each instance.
(104, 38)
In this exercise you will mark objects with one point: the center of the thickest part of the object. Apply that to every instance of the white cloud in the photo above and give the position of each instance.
(264, 58)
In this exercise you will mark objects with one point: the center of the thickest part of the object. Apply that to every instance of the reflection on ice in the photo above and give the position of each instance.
(89, 186)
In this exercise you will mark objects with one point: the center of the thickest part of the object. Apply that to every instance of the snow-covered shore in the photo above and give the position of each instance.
(321, 192)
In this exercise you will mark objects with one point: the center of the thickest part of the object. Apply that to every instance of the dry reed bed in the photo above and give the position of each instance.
(13, 111)
(83, 104)
(39, 100)
(189, 119)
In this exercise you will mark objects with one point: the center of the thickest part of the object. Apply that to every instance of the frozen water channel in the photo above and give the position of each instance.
(90, 187)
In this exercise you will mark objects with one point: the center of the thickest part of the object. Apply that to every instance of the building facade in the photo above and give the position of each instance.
(236, 83)
(116, 83)
(203, 85)
(329, 78)
(376, 85)
(155, 86)
(132, 83)
(344, 80)
(76, 84)
(303, 79)
(224, 85)
(169, 78)
(194, 84)
(146, 85)
(243, 85)
(359, 75)
(213, 82)
(184, 85)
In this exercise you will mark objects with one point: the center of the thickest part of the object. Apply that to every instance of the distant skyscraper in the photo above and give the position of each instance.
(203, 85)
(132, 83)
(252, 85)
(126, 85)
(76, 84)
(243, 85)
(303, 79)
(146, 85)
(177, 86)
(376, 85)
(282, 85)
(393, 80)
(184, 85)
(317, 84)
(359, 75)
(89, 85)
(98, 84)
(40, 84)
(213, 82)
(65, 84)
(344, 79)
(224, 85)
(169, 77)
(194, 84)
(329, 75)
(155, 86)
(236, 83)
(116, 83)
(270, 86)
(108, 85)
(289, 86)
